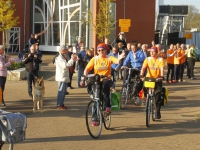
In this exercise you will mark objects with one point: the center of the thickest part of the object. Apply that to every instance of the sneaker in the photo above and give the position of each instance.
(61, 107)
(3, 105)
(158, 115)
(95, 123)
(167, 82)
(108, 109)
(193, 78)
(174, 81)
(31, 96)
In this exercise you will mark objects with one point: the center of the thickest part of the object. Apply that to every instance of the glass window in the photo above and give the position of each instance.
(56, 34)
(74, 1)
(75, 17)
(39, 28)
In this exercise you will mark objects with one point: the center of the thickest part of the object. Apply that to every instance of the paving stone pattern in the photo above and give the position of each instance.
(178, 128)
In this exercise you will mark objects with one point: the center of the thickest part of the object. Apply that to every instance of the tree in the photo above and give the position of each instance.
(7, 19)
(193, 18)
(104, 23)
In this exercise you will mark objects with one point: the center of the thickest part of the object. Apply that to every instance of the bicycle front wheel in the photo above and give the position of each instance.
(107, 120)
(147, 109)
(124, 97)
(93, 119)
(153, 109)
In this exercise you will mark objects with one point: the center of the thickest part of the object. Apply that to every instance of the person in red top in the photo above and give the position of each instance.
(183, 61)
(177, 61)
(170, 63)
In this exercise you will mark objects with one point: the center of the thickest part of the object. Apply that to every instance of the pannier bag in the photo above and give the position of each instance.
(115, 100)
(12, 127)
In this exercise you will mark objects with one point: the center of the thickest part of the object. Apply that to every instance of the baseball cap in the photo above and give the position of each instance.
(154, 48)
(102, 45)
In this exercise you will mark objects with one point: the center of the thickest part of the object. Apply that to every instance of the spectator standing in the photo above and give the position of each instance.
(177, 61)
(170, 63)
(152, 44)
(78, 45)
(114, 67)
(4, 63)
(121, 49)
(71, 68)
(62, 74)
(37, 41)
(121, 38)
(81, 64)
(31, 41)
(186, 65)
(191, 61)
(144, 50)
(32, 61)
(109, 47)
(182, 62)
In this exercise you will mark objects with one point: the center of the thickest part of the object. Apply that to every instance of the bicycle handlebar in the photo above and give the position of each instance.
(136, 69)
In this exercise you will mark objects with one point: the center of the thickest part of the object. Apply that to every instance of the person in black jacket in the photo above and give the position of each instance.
(32, 61)
(121, 38)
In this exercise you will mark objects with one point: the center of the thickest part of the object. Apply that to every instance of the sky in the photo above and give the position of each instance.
(196, 3)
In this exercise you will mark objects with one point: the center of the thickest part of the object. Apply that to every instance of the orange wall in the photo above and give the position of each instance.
(142, 15)
(19, 6)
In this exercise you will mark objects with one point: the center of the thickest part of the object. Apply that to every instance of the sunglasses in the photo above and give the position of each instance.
(101, 50)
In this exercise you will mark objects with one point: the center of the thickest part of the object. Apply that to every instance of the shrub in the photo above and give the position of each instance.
(16, 65)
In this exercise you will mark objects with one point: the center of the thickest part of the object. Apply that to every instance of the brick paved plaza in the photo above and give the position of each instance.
(178, 128)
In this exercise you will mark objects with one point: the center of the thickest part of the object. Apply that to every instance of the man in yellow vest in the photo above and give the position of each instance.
(191, 56)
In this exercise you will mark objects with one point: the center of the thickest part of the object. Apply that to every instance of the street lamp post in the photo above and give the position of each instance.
(124, 9)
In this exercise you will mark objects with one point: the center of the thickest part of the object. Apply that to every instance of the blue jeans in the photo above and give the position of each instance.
(62, 86)
(80, 73)
(31, 80)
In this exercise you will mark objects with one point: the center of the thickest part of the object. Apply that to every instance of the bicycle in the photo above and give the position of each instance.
(129, 87)
(150, 107)
(96, 108)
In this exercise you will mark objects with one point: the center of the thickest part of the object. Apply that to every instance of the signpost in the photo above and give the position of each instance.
(124, 24)
(188, 35)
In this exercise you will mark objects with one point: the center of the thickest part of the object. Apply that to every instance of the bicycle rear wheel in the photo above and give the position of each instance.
(124, 97)
(107, 120)
(148, 108)
(93, 119)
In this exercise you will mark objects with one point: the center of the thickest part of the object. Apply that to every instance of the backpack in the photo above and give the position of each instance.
(164, 96)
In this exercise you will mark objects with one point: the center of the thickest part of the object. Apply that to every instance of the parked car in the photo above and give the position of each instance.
(197, 51)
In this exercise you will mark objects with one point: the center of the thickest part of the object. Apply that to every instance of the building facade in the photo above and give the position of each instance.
(60, 22)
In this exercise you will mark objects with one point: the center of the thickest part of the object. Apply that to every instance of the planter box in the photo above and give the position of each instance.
(20, 73)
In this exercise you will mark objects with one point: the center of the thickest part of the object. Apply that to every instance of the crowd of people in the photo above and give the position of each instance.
(108, 60)
(103, 61)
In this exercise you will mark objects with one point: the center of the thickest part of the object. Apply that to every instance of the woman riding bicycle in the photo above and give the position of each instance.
(102, 66)
(155, 66)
